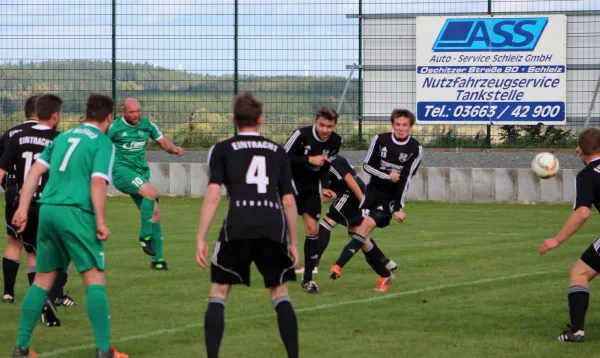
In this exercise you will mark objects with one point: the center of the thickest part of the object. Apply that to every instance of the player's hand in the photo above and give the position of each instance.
(328, 195)
(394, 177)
(178, 151)
(548, 245)
(102, 232)
(20, 219)
(201, 253)
(294, 253)
(400, 216)
(318, 160)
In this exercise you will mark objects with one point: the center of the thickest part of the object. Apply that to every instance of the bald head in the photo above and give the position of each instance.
(132, 111)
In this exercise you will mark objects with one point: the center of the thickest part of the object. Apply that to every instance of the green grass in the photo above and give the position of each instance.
(451, 245)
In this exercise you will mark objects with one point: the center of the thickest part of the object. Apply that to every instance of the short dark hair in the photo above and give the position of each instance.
(589, 141)
(29, 107)
(328, 113)
(246, 110)
(98, 107)
(46, 105)
(397, 113)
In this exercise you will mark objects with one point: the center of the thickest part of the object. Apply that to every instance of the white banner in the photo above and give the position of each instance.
(491, 70)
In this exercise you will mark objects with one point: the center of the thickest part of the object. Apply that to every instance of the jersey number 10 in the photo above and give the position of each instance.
(257, 174)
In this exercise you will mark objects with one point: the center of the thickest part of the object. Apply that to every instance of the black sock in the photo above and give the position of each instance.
(288, 325)
(324, 235)
(57, 288)
(579, 299)
(311, 256)
(383, 257)
(374, 258)
(10, 268)
(30, 275)
(348, 252)
(214, 326)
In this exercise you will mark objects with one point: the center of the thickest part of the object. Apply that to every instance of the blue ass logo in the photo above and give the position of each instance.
(490, 34)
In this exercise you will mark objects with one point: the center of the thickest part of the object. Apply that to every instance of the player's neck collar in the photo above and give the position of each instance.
(30, 121)
(129, 124)
(400, 142)
(41, 127)
(593, 160)
(314, 130)
(249, 133)
(87, 124)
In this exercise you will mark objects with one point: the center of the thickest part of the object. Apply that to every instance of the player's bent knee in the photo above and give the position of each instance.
(147, 191)
(31, 261)
(44, 280)
(156, 213)
(93, 276)
(329, 222)
(13, 249)
(220, 290)
(581, 273)
(278, 291)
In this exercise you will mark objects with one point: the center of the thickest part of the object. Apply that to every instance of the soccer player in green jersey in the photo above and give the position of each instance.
(131, 174)
(71, 221)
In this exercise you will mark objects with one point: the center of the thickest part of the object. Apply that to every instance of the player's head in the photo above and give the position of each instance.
(132, 111)
(402, 122)
(588, 144)
(247, 111)
(48, 108)
(29, 108)
(325, 121)
(99, 111)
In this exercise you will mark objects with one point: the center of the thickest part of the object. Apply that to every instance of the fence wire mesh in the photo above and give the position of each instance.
(186, 59)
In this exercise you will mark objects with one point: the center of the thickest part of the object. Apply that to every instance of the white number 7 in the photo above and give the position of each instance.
(74, 142)
(257, 174)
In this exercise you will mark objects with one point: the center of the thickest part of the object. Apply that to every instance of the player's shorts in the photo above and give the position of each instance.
(591, 256)
(129, 181)
(68, 233)
(9, 212)
(380, 210)
(309, 202)
(345, 210)
(230, 263)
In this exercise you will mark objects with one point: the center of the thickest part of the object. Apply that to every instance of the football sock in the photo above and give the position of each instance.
(146, 212)
(10, 268)
(348, 252)
(33, 302)
(57, 287)
(99, 314)
(324, 235)
(311, 256)
(214, 326)
(374, 258)
(579, 299)
(288, 325)
(157, 241)
(30, 275)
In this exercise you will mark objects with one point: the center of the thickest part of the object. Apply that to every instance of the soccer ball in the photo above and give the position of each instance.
(545, 165)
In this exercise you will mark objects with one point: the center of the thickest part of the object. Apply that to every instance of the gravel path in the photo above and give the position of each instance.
(431, 159)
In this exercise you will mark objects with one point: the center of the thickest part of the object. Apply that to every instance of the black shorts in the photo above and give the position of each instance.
(231, 261)
(345, 210)
(309, 202)
(29, 236)
(9, 212)
(379, 209)
(591, 256)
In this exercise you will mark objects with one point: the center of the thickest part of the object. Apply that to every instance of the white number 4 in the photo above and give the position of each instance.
(257, 174)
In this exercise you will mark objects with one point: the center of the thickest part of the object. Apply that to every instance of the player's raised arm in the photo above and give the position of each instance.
(408, 170)
(164, 142)
(373, 160)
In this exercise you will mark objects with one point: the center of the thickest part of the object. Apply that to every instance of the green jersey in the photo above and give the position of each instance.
(74, 157)
(131, 142)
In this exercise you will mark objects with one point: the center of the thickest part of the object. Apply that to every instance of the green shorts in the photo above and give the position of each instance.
(67, 233)
(129, 181)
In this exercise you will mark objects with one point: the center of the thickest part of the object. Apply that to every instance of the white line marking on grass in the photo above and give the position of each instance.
(299, 310)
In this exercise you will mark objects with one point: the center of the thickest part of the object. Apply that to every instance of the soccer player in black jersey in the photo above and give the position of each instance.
(12, 254)
(587, 194)
(257, 174)
(23, 150)
(392, 160)
(311, 150)
(345, 210)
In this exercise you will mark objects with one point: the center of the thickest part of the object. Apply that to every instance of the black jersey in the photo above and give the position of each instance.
(305, 142)
(256, 172)
(23, 150)
(8, 182)
(387, 154)
(339, 168)
(587, 186)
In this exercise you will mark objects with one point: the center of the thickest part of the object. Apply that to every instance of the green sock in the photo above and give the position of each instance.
(146, 211)
(99, 313)
(33, 302)
(157, 241)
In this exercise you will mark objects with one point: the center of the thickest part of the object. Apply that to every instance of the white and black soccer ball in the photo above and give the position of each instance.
(545, 165)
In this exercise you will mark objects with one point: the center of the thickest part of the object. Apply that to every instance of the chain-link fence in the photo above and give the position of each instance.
(186, 59)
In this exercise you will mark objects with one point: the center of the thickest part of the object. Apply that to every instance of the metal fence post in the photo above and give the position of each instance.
(360, 99)
(114, 52)
(488, 135)
(235, 53)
